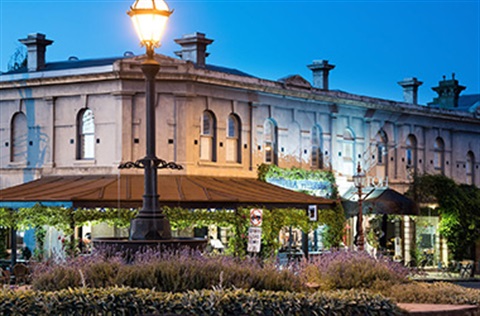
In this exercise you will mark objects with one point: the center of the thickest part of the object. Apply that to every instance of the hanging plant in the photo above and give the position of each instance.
(7, 218)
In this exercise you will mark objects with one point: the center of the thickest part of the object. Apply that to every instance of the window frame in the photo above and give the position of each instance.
(85, 138)
(19, 139)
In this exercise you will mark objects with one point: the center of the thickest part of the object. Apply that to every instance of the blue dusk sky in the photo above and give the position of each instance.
(374, 44)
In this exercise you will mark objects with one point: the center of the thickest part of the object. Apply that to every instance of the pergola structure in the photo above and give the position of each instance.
(125, 191)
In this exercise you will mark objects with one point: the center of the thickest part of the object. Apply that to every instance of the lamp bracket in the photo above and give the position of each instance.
(153, 162)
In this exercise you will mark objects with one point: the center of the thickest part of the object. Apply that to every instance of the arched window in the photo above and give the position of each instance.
(469, 168)
(208, 137)
(85, 134)
(382, 152)
(270, 141)
(19, 136)
(438, 154)
(411, 152)
(317, 156)
(234, 139)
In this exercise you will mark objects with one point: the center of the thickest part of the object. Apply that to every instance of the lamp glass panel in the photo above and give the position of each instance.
(149, 27)
(150, 4)
(359, 180)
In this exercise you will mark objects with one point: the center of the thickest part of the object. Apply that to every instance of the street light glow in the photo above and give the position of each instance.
(149, 18)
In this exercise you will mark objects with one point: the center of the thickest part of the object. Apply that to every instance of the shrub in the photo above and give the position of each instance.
(434, 293)
(164, 271)
(352, 270)
(125, 301)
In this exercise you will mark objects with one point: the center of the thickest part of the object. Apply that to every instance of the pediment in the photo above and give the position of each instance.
(295, 81)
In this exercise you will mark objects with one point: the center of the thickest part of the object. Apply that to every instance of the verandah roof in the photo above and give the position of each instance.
(379, 201)
(126, 191)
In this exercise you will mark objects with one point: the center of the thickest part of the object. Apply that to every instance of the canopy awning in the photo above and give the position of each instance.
(378, 201)
(126, 191)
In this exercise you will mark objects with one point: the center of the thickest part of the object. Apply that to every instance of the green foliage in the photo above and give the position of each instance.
(335, 221)
(459, 209)
(267, 171)
(7, 217)
(118, 217)
(334, 218)
(436, 293)
(40, 234)
(127, 301)
(39, 215)
(3, 243)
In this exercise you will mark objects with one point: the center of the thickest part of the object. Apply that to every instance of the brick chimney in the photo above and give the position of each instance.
(448, 93)
(410, 89)
(194, 48)
(320, 69)
(36, 46)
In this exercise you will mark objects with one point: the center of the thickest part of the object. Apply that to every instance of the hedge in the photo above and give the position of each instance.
(128, 301)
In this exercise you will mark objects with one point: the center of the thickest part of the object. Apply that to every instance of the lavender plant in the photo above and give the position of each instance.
(164, 271)
(352, 270)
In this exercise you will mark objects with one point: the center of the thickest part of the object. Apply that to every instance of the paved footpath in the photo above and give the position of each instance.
(439, 310)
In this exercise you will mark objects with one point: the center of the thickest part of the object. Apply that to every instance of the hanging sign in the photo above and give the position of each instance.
(312, 213)
(256, 216)
(254, 239)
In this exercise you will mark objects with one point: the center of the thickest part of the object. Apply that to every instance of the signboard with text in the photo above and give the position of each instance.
(254, 239)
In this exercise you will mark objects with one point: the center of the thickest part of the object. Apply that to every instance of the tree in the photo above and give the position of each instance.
(459, 209)
(18, 60)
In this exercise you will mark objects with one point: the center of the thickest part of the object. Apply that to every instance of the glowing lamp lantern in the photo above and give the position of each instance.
(149, 18)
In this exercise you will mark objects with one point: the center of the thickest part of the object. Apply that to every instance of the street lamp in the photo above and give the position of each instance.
(359, 182)
(149, 18)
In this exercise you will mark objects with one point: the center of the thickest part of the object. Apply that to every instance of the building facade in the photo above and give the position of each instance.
(87, 116)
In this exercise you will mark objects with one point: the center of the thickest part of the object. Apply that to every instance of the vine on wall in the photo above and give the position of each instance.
(65, 219)
(459, 209)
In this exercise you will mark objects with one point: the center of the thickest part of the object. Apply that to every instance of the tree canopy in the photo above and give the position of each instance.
(458, 207)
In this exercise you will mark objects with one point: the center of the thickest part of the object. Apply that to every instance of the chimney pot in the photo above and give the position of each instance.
(36, 46)
(410, 89)
(320, 69)
(194, 48)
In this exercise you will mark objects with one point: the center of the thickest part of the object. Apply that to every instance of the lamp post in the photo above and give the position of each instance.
(149, 18)
(359, 181)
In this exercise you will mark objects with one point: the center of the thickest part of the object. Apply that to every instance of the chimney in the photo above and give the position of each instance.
(194, 48)
(410, 89)
(448, 93)
(36, 46)
(320, 69)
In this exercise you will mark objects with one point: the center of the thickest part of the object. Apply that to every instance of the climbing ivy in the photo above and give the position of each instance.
(458, 207)
(334, 218)
(266, 172)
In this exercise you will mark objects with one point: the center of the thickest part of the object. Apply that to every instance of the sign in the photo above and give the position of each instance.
(254, 239)
(256, 216)
(312, 213)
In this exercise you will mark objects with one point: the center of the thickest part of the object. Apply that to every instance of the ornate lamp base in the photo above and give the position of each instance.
(150, 227)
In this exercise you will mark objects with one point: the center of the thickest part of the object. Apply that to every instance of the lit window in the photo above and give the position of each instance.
(382, 152)
(19, 136)
(269, 142)
(208, 137)
(411, 151)
(348, 153)
(233, 149)
(86, 135)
